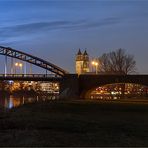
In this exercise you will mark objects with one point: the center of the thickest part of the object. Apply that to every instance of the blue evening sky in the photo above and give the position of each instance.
(55, 29)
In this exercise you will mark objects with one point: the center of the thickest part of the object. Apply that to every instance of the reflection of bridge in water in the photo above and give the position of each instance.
(71, 85)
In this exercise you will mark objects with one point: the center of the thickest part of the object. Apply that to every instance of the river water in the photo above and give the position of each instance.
(15, 101)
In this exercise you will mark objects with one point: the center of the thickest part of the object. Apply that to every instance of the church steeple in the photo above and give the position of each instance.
(85, 52)
(85, 56)
(85, 62)
(79, 52)
(79, 55)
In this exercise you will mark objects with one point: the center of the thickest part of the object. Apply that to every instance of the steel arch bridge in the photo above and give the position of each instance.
(7, 51)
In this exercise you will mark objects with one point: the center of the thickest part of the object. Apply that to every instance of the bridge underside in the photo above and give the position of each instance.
(87, 83)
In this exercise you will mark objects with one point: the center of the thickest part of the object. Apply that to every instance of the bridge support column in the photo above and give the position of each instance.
(12, 70)
(5, 65)
(25, 69)
(30, 69)
(69, 87)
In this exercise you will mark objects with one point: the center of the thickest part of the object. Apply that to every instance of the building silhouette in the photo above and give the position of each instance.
(82, 62)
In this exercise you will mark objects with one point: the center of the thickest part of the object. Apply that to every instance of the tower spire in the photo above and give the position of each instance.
(85, 52)
(79, 52)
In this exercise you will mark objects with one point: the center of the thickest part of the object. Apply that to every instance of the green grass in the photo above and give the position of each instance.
(76, 123)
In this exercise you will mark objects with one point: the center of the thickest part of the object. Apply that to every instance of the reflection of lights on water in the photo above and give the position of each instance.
(23, 99)
(37, 98)
(10, 103)
(10, 81)
(13, 101)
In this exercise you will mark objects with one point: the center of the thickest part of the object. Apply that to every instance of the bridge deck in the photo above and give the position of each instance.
(30, 77)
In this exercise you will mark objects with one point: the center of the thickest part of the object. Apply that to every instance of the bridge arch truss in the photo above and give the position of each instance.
(7, 51)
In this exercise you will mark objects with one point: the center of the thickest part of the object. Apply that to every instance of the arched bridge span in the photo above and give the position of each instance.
(74, 86)
(7, 51)
(89, 82)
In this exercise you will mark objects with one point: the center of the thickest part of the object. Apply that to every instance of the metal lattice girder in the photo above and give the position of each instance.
(33, 60)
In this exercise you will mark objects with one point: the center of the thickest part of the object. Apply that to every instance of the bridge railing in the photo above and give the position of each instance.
(29, 75)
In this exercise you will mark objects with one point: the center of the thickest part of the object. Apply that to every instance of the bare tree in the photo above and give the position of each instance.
(117, 62)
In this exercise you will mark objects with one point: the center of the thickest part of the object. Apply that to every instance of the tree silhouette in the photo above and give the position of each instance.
(117, 62)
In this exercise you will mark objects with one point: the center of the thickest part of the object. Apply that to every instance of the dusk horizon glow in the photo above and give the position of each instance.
(55, 30)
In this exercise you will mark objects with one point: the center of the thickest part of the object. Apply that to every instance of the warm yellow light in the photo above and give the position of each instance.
(96, 63)
(16, 64)
(93, 62)
(20, 64)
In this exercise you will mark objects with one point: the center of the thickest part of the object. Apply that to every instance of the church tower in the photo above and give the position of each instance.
(79, 62)
(82, 62)
(85, 62)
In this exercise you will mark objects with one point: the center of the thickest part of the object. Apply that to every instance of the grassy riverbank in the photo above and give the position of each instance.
(76, 123)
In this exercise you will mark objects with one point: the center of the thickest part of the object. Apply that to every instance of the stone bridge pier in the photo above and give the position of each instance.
(69, 87)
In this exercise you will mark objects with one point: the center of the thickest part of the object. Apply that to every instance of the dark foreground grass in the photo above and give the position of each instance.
(76, 123)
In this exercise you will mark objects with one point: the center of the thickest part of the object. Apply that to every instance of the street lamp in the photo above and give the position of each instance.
(94, 63)
(21, 65)
(18, 65)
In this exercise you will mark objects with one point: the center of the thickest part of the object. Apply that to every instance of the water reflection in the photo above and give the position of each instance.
(14, 101)
(106, 97)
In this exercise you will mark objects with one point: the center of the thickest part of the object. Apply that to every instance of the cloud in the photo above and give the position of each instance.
(30, 28)
(36, 28)
(95, 24)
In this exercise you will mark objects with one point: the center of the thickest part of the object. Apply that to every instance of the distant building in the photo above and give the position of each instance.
(82, 62)
(49, 87)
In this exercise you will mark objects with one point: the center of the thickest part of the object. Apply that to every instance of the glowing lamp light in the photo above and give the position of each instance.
(16, 64)
(96, 64)
(20, 64)
(93, 63)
